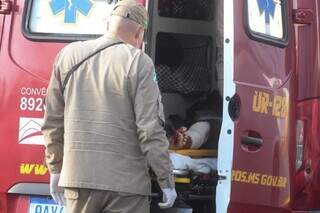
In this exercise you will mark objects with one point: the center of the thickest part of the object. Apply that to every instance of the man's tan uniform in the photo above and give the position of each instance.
(105, 129)
(96, 201)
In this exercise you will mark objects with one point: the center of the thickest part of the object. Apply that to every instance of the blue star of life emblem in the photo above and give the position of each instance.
(268, 7)
(71, 7)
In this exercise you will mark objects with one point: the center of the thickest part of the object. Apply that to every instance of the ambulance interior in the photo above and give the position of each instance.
(182, 42)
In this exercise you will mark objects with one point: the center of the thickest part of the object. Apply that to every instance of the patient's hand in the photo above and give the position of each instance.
(180, 139)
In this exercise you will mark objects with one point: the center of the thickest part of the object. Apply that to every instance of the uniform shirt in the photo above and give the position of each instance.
(106, 128)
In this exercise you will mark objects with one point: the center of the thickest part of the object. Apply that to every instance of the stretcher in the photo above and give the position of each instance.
(194, 188)
(196, 176)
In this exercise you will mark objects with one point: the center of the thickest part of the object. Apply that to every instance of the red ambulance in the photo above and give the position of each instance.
(266, 133)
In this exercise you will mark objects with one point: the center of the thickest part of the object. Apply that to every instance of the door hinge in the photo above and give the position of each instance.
(5, 7)
(303, 16)
(222, 177)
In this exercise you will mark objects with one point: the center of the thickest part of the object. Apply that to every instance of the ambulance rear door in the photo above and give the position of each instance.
(256, 147)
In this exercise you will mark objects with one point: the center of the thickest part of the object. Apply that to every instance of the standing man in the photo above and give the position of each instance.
(104, 122)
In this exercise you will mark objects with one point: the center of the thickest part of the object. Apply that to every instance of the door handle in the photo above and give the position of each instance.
(251, 141)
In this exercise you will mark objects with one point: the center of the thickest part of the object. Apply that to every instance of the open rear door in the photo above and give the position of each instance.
(258, 131)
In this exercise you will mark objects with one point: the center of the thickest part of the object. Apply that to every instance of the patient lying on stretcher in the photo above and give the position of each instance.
(194, 138)
(192, 134)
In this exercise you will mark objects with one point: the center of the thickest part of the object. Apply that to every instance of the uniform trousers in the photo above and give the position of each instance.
(80, 200)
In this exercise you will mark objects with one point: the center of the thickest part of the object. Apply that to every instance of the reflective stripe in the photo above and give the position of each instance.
(182, 180)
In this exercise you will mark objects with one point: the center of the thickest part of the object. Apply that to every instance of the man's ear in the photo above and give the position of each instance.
(138, 37)
(138, 33)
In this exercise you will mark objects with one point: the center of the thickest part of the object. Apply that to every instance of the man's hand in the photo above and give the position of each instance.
(169, 196)
(56, 191)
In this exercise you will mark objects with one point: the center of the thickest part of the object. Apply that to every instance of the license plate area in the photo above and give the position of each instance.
(44, 205)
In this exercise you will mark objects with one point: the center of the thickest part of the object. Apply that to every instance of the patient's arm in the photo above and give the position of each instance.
(180, 139)
(198, 133)
(193, 138)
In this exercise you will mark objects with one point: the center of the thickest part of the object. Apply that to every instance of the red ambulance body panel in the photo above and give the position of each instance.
(277, 86)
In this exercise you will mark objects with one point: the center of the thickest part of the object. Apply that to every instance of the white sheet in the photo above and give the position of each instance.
(203, 165)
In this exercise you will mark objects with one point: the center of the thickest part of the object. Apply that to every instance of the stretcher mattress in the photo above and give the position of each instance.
(200, 165)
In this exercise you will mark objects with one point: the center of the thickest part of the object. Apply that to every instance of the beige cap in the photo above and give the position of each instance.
(133, 10)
